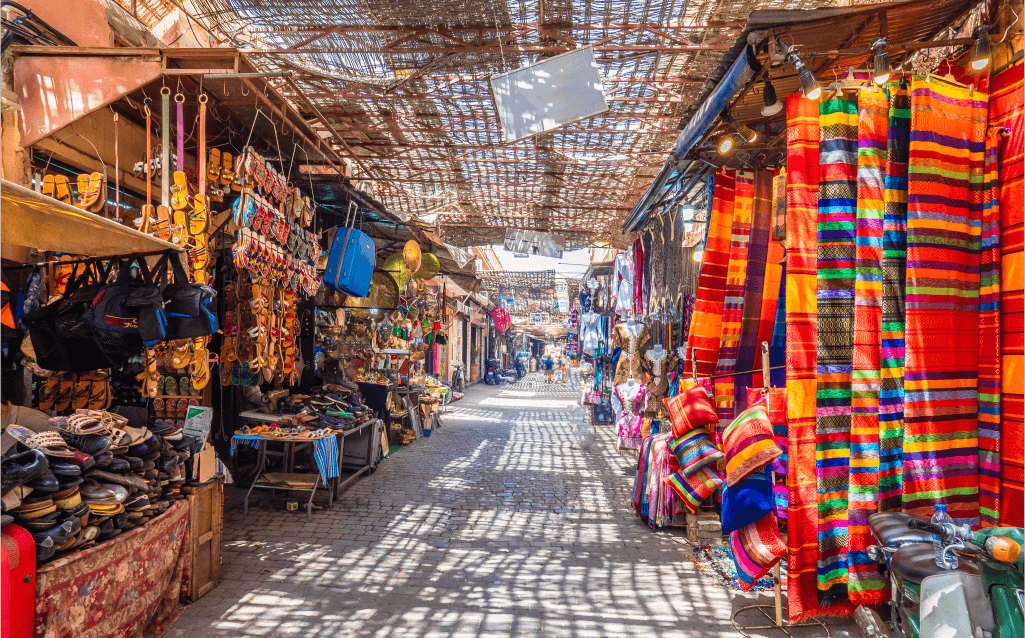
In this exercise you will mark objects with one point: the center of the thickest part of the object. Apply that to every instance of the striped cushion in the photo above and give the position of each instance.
(694, 450)
(749, 443)
(756, 549)
(690, 409)
(694, 489)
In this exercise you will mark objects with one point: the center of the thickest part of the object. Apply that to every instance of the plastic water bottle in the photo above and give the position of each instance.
(939, 518)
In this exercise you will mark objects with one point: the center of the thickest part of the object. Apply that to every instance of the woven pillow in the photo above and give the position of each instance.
(694, 450)
(746, 502)
(749, 443)
(756, 549)
(690, 409)
(694, 489)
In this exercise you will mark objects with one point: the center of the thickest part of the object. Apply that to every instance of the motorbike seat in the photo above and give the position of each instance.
(892, 531)
(917, 562)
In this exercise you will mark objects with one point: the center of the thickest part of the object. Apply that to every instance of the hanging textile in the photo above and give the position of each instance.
(770, 302)
(941, 438)
(779, 205)
(778, 340)
(801, 302)
(706, 320)
(640, 275)
(838, 197)
(748, 353)
(1006, 112)
(865, 585)
(989, 336)
(891, 363)
(733, 302)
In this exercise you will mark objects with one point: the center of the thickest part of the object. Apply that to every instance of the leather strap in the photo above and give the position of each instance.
(201, 156)
(117, 174)
(180, 119)
(149, 157)
(165, 148)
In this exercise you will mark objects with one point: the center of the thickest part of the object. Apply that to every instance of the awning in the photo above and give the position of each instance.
(32, 220)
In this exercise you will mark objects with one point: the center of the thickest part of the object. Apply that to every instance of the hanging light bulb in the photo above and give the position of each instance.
(809, 85)
(980, 52)
(726, 144)
(771, 104)
(881, 62)
(699, 255)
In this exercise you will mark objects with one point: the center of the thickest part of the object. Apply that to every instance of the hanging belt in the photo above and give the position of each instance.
(165, 148)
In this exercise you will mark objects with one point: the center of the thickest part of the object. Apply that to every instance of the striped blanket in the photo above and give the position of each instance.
(945, 166)
(838, 163)
(802, 244)
(749, 353)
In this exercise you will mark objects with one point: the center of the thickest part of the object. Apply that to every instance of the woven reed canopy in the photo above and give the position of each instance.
(402, 89)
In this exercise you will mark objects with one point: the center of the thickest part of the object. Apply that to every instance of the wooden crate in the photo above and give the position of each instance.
(206, 518)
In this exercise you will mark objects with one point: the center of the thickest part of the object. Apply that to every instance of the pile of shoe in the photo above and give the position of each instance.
(93, 476)
(333, 406)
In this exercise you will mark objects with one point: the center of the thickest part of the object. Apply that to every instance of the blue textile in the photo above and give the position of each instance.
(325, 451)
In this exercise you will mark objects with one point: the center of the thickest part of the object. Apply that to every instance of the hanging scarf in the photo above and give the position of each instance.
(1006, 111)
(706, 320)
(733, 302)
(748, 353)
(891, 363)
(945, 167)
(865, 585)
(838, 198)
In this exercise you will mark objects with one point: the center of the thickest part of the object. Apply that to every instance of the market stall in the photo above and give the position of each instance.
(812, 327)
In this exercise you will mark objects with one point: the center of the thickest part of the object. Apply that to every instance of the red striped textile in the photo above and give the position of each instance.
(865, 585)
(941, 438)
(770, 301)
(802, 245)
(989, 337)
(838, 199)
(1006, 111)
(733, 303)
(706, 320)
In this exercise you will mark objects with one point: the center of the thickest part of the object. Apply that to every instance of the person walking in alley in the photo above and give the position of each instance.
(549, 367)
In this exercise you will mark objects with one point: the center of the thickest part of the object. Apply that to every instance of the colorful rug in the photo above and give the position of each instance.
(706, 320)
(865, 585)
(801, 302)
(891, 363)
(945, 166)
(718, 566)
(838, 198)
(1006, 111)
(749, 353)
(989, 336)
(733, 303)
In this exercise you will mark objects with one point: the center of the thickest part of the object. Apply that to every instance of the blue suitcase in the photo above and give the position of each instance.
(350, 262)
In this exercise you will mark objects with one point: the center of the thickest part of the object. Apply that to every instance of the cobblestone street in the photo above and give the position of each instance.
(513, 519)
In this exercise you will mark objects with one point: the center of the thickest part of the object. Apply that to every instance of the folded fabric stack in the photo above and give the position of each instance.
(94, 475)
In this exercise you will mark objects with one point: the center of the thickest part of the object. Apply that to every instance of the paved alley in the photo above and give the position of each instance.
(513, 519)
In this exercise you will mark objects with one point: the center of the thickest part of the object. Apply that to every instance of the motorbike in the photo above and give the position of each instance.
(492, 373)
(458, 380)
(982, 597)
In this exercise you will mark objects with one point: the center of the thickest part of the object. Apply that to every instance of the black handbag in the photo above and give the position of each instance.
(190, 308)
(128, 314)
(61, 336)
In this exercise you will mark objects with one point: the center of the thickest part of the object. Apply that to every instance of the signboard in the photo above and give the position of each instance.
(532, 242)
(549, 94)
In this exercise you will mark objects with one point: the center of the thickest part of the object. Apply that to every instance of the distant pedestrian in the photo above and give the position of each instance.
(533, 364)
(549, 366)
